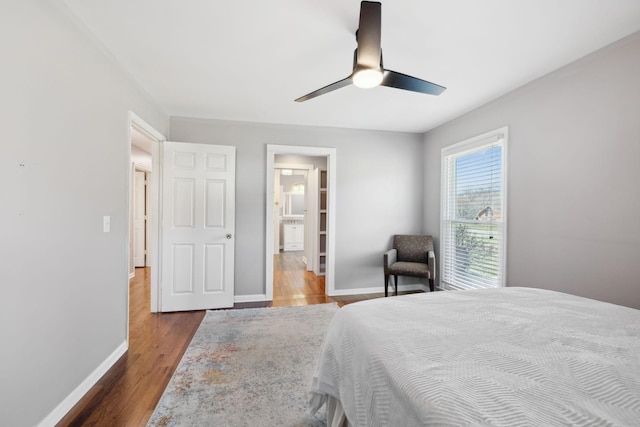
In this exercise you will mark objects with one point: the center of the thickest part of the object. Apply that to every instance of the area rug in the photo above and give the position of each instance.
(249, 367)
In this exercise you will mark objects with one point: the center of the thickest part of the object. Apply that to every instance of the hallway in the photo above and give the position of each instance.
(293, 284)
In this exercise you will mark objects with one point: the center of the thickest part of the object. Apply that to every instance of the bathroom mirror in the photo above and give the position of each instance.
(294, 204)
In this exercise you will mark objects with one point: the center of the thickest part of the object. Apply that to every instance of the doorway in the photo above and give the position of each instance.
(293, 218)
(294, 227)
(299, 266)
(141, 215)
(140, 200)
(144, 151)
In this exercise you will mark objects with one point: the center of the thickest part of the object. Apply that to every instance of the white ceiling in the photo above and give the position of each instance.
(249, 60)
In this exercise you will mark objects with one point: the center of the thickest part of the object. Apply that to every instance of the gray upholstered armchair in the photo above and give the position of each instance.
(411, 256)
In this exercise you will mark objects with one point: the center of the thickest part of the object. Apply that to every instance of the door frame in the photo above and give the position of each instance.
(157, 138)
(330, 154)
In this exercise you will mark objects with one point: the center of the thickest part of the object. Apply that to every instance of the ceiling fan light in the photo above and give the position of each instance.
(367, 78)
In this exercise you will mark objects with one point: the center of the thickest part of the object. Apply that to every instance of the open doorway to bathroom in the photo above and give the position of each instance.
(297, 275)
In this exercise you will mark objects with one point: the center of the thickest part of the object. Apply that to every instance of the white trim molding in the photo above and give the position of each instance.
(74, 397)
(330, 154)
(379, 289)
(137, 123)
(250, 298)
(484, 174)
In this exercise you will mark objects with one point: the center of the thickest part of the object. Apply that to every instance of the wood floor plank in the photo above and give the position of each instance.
(130, 390)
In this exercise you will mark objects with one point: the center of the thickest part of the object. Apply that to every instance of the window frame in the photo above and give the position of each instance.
(459, 149)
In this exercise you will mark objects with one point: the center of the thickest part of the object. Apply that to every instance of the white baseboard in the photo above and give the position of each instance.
(341, 292)
(378, 289)
(250, 298)
(74, 397)
(132, 275)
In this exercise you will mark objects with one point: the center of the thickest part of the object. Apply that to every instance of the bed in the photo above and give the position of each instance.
(503, 357)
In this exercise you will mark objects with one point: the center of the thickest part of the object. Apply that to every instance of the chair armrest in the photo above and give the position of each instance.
(432, 264)
(390, 257)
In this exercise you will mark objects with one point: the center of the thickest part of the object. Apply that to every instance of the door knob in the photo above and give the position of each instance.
(228, 235)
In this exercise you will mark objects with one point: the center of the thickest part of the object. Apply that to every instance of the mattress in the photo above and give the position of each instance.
(503, 357)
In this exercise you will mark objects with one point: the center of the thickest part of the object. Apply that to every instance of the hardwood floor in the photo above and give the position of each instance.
(293, 285)
(128, 393)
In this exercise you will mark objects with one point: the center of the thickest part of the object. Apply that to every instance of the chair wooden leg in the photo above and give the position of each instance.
(386, 285)
(431, 285)
(396, 282)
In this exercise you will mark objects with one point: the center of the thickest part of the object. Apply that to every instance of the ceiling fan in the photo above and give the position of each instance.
(368, 71)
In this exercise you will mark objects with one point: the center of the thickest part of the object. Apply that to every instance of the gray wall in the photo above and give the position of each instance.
(63, 115)
(573, 196)
(379, 180)
(573, 175)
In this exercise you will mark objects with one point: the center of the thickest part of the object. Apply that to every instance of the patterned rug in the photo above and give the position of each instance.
(250, 367)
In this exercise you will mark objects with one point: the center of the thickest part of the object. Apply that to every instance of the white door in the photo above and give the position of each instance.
(277, 208)
(139, 218)
(310, 214)
(198, 226)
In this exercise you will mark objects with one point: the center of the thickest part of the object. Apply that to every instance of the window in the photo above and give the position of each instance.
(472, 226)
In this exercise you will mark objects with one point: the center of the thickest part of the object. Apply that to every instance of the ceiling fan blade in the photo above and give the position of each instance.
(414, 84)
(368, 35)
(326, 89)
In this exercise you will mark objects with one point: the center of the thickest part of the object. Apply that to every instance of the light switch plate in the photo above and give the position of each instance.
(106, 224)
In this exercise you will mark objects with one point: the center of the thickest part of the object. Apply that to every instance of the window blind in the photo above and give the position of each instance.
(473, 213)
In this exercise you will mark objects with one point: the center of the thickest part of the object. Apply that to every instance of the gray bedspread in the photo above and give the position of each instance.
(503, 357)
